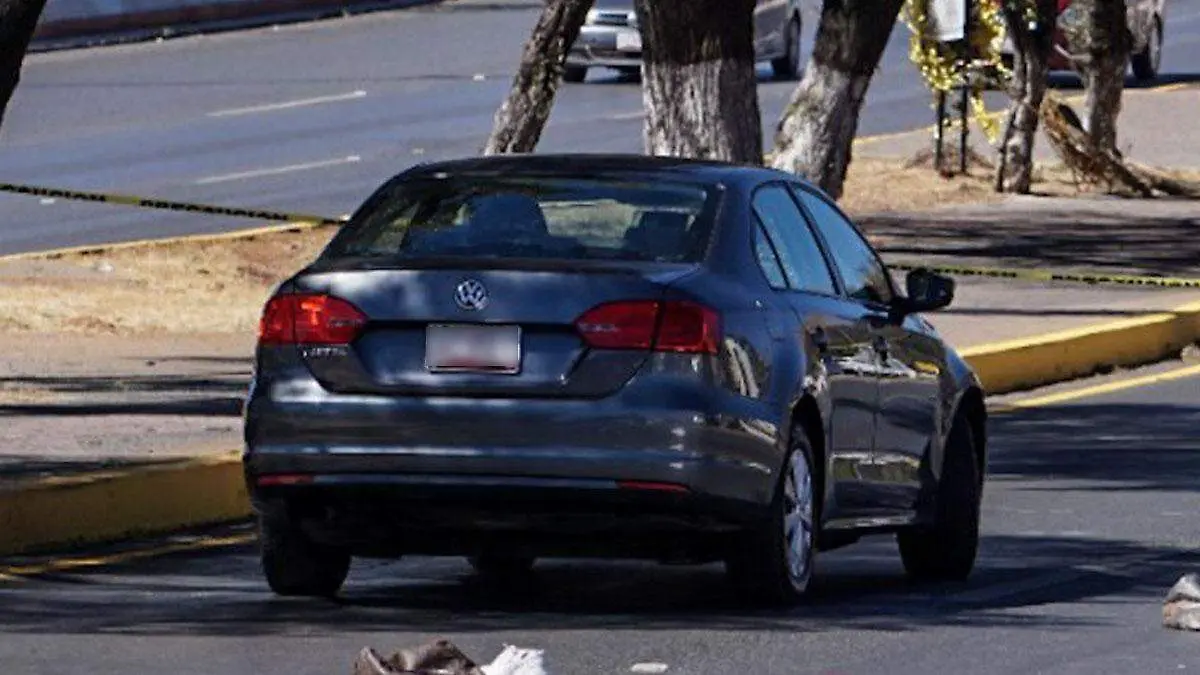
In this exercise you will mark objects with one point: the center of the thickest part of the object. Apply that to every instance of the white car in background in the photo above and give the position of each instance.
(610, 38)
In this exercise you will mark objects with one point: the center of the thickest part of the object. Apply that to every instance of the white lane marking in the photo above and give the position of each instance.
(258, 173)
(284, 105)
(650, 667)
(637, 115)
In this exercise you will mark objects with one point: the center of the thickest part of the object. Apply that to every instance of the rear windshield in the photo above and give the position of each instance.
(525, 217)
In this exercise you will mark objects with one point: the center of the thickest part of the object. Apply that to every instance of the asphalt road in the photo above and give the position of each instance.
(311, 117)
(1089, 518)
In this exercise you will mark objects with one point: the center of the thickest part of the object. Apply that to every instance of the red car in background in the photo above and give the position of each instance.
(1145, 21)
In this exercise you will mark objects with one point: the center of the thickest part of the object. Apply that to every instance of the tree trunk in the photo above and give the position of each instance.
(700, 87)
(1031, 54)
(521, 118)
(18, 19)
(816, 133)
(1103, 36)
(1105, 74)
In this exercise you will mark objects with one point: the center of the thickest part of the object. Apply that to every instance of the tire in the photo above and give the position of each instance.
(575, 74)
(294, 565)
(787, 67)
(766, 567)
(501, 567)
(946, 550)
(1146, 63)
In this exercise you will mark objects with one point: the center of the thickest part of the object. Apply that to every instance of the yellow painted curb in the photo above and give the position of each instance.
(109, 505)
(1018, 365)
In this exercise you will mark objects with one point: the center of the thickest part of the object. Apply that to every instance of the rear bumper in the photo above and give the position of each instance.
(658, 456)
(445, 515)
(597, 46)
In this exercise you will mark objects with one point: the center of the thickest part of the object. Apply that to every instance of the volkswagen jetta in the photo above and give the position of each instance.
(517, 357)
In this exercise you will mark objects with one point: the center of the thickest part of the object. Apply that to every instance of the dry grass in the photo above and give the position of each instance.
(216, 287)
(219, 287)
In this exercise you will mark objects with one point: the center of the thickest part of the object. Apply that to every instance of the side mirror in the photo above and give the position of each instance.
(927, 292)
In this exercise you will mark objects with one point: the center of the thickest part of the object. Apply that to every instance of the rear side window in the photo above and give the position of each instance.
(798, 249)
(531, 217)
(865, 277)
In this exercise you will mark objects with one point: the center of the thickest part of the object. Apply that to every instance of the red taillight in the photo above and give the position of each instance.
(688, 328)
(310, 319)
(645, 324)
(619, 325)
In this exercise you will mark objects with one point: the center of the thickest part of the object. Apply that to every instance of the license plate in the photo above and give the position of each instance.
(473, 348)
(629, 41)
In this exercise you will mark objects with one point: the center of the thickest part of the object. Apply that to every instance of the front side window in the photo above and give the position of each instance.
(531, 217)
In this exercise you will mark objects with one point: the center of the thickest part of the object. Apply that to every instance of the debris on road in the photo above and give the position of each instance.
(442, 657)
(1181, 610)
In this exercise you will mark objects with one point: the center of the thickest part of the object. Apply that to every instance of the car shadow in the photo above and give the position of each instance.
(223, 595)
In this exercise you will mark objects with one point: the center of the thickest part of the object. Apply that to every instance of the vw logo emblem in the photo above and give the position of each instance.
(471, 295)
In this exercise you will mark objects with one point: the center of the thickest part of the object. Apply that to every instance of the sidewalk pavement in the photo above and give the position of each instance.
(76, 404)
(1157, 126)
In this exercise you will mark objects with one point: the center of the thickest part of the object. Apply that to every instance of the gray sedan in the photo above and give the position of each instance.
(610, 38)
(507, 358)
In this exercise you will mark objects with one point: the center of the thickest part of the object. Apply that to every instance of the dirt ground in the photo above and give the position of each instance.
(219, 287)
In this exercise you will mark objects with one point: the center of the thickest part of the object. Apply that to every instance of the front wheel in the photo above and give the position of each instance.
(946, 550)
(775, 566)
(575, 74)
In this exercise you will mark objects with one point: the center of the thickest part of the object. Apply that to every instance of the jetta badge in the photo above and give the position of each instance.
(471, 295)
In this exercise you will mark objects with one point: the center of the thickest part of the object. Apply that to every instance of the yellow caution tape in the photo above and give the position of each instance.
(285, 217)
(1038, 275)
(167, 205)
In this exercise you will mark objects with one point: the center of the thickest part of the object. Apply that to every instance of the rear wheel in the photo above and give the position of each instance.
(946, 550)
(1146, 62)
(501, 567)
(575, 74)
(297, 566)
(775, 566)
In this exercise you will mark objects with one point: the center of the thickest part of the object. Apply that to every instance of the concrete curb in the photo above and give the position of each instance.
(65, 511)
(1018, 365)
(70, 511)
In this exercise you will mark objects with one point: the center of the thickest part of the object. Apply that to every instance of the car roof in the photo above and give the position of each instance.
(576, 164)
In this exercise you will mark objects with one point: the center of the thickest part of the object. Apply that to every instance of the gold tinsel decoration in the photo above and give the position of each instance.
(937, 62)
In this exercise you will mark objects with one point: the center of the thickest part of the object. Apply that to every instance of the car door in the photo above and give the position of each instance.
(911, 361)
(840, 331)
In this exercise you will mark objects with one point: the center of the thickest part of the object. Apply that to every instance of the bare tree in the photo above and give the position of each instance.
(521, 118)
(18, 20)
(699, 83)
(1100, 33)
(1031, 53)
(816, 133)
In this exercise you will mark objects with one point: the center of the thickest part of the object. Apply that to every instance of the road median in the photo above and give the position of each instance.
(75, 510)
